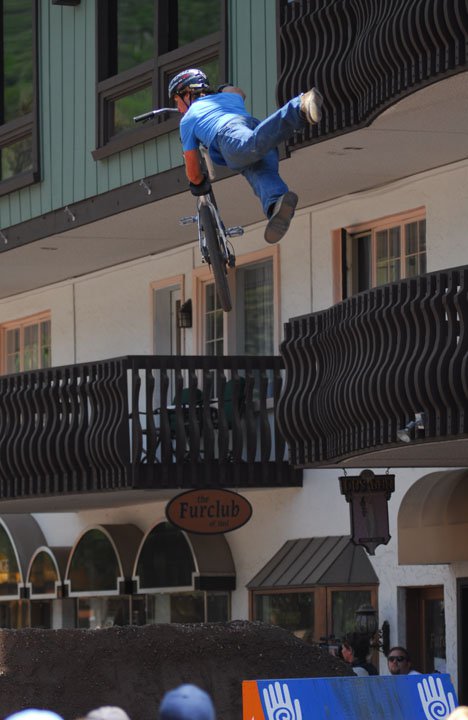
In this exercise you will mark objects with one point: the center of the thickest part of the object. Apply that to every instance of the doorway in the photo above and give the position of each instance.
(167, 336)
(462, 640)
(425, 623)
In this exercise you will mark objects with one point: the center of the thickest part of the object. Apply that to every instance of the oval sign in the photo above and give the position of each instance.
(209, 511)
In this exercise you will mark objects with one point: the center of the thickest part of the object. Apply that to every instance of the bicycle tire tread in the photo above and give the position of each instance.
(217, 260)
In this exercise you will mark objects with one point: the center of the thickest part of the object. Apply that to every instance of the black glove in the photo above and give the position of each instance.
(202, 189)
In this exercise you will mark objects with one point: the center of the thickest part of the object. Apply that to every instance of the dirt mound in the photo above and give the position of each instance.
(73, 671)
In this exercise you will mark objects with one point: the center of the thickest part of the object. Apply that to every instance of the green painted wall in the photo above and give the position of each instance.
(67, 97)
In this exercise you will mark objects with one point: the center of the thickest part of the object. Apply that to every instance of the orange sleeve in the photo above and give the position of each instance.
(192, 166)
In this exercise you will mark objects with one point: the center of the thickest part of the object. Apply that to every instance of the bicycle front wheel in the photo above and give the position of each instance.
(217, 259)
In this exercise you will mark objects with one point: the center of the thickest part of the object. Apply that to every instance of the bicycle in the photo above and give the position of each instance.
(213, 237)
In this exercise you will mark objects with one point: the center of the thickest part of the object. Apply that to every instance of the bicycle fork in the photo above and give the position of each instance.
(223, 233)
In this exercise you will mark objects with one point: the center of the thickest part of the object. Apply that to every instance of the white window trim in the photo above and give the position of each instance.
(21, 323)
(203, 275)
(371, 227)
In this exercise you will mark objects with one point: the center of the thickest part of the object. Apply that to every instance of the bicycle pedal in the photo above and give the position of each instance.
(188, 220)
(235, 231)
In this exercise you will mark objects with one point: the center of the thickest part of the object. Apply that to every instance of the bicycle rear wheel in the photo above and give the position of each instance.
(217, 260)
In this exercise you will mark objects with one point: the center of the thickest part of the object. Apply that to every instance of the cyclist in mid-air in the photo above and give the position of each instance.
(219, 120)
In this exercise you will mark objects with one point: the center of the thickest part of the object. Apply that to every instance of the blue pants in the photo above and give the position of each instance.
(250, 147)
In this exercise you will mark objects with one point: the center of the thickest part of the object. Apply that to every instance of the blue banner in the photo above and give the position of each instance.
(399, 697)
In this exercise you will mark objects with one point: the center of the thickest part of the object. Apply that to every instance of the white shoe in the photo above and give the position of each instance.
(311, 106)
(281, 217)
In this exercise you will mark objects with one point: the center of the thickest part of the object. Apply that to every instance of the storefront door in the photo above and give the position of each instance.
(425, 622)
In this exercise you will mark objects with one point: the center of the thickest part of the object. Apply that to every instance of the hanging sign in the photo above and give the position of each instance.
(209, 511)
(368, 496)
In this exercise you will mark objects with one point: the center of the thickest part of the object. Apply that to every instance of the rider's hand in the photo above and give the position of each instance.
(202, 189)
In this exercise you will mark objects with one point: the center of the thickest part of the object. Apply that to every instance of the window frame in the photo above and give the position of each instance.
(20, 324)
(323, 620)
(202, 275)
(154, 72)
(25, 125)
(342, 270)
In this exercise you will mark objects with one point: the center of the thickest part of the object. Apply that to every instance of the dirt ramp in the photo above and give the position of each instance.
(73, 671)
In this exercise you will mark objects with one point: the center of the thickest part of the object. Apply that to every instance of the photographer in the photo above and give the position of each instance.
(355, 649)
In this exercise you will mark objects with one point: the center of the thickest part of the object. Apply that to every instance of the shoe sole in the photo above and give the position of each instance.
(314, 108)
(278, 226)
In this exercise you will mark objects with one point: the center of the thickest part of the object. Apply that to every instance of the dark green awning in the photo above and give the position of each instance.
(316, 561)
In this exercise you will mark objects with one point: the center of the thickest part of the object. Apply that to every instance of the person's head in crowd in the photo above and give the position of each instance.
(107, 712)
(187, 702)
(34, 714)
(460, 713)
(355, 648)
(399, 661)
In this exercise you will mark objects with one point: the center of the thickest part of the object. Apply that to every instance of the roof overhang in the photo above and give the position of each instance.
(428, 128)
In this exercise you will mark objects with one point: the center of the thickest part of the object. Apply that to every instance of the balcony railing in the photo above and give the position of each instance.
(364, 55)
(361, 371)
(142, 422)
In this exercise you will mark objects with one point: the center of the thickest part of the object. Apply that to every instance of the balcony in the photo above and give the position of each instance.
(110, 431)
(365, 57)
(361, 372)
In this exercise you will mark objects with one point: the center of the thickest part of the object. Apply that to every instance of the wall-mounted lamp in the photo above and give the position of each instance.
(184, 315)
(409, 432)
(366, 623)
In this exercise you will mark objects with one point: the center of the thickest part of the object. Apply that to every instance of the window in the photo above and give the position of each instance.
(293, 611)
(18, 112)
(169, 588)
(384, 251)
(26, 344)
(313, 613)
(252, 328)
(9, 571)
(141, 46)
(94, 567)
(43, 576)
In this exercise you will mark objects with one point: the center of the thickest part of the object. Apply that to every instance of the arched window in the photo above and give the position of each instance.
(43, 575)
(9, 569)
(94, 567)
(165, 559)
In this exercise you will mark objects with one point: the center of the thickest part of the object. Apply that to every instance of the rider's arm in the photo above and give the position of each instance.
(192, 167)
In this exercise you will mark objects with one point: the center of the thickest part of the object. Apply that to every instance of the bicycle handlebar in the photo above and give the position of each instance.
(152, 113)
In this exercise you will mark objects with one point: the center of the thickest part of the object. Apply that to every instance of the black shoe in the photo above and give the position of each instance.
(281, 217)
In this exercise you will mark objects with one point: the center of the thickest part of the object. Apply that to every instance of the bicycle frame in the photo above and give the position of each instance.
(215, 248)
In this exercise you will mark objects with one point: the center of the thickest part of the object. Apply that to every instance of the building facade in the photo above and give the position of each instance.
(348, 331)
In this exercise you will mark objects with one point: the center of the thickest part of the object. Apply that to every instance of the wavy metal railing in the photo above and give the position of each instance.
(92, 427)
(361, 370)
(64, 430)
(364, 54)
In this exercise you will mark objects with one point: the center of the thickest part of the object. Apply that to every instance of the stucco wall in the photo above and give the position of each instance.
(109, 314)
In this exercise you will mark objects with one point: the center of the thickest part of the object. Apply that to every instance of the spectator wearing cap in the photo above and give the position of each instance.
(399, 661)
(187, 702)
(34, 714)
(107, 712)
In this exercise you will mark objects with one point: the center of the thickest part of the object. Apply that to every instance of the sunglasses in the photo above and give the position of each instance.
(396, 658)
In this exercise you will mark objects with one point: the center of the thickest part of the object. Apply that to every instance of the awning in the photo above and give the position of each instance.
(433, 519)
(316, 561)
